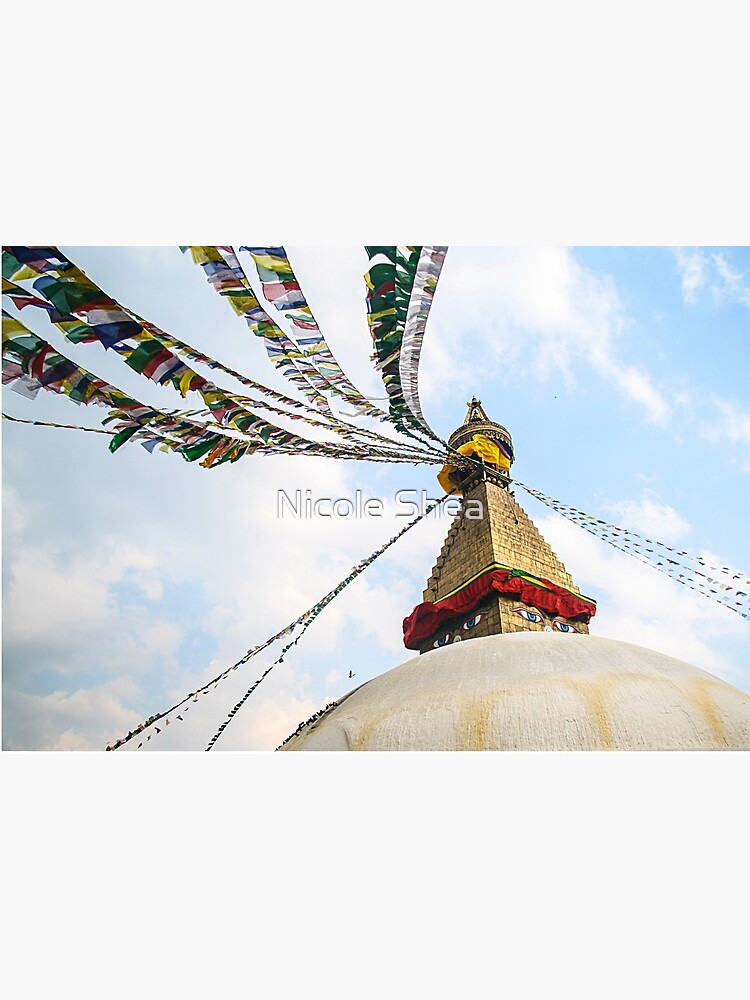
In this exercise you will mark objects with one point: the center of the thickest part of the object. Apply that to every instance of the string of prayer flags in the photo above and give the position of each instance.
(382, 319)
(147, 355)
(70, 293)
(732, 592)
(309, 617)
(149, 350)
(303, 725)
(75, 330)
(226, 275)
(626, 533)
(400, 283)
(187, 350)
(28, 356)
(139, 350)
(29, 359)
(351, 432)
(49, 423)
(22, 262)
(428, 269)
(281, 288)
(316, 418)
(305, 619)
(153, 358)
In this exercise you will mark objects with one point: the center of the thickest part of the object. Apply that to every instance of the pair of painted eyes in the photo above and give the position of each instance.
(449, 637)
(534, 616)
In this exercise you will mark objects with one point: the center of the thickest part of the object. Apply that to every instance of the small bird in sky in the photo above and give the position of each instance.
(350, 675)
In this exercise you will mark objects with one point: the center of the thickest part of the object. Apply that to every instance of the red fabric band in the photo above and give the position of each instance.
(426, 618)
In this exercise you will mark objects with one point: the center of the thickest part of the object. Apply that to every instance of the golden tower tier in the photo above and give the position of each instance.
(495, 573)
(477, 422)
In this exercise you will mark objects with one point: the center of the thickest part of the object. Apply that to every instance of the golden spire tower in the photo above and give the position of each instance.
(495, 572)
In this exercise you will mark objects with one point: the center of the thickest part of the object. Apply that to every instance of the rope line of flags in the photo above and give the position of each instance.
(732, 592)
(304, 620)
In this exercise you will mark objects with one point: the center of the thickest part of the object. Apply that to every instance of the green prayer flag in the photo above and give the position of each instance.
(389, 252)
(67, 296)
(144, 352)
(195, 451)
(121, 437)
(11, 264)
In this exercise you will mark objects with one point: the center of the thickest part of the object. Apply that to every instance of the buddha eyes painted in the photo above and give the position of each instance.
(543, 620)
(539, 618)
(469, 624)
(530, 614)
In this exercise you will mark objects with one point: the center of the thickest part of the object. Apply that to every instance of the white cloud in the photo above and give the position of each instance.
(637, 603)
(650, 517)
(54, 595)
(154, 259)
(732, 423)
(692, 266)
(149, 586)
(15, 518)
(699, 269)
(82, 720)
(380, 611)
(65, 610)
(636, 384)
(531, 312)
(63, 615)
(732, 285)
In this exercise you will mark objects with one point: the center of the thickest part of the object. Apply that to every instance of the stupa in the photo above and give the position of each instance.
(505, 659)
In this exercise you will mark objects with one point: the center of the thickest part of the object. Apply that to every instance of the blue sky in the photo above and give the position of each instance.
(129, 580)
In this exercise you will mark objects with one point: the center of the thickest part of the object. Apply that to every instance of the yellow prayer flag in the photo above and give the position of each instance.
(373, 317)
(276, 264)
(202, 255)
(12, 326)
(185, 381)
(25, 274)
(242, 303)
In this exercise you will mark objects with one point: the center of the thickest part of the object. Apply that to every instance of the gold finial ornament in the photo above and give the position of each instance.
(488, 442)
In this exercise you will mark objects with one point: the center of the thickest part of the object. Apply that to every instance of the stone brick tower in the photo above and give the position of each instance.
(495, 572)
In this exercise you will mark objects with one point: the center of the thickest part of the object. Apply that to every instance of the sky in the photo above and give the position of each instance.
(129, 580)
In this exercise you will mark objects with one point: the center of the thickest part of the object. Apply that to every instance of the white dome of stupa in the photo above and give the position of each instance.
(535, 691)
